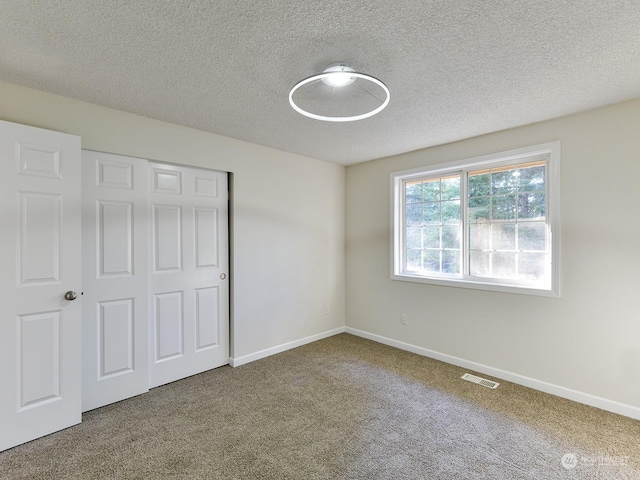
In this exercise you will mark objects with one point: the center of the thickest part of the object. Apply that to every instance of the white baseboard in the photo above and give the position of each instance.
(576, 396)
(236, 362)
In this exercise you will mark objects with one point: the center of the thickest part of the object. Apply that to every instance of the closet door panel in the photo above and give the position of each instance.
(189, 278)
(115, 278)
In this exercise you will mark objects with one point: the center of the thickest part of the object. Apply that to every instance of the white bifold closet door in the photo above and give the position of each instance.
(189, 264)
(115, 277)
(40, 353)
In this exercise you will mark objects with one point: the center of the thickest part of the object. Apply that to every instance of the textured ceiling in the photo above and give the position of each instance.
(455, 68)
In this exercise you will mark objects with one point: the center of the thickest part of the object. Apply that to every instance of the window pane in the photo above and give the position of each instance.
(431, 190)
(413, 192)
(431, 260)
(414, 260)
(431, 237)
(532, 179)
(531, 205)
(532, 236)
(450, 236)
(478, 209)
(413, 214)
(451, 261)
(414, 237)
(504, 182)
(451, 188)
(431, 212)
(531, 265)
(480, 236)
(479, 185)
(451, 212)
(504, 264)
(432, 217)
(503, 207)
(504, 236)
(479, 264)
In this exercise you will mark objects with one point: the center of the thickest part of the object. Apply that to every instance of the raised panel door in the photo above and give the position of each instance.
(115, 276)
(40, 347)
(189, 278)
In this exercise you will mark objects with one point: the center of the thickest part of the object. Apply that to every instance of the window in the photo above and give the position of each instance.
(489, 222)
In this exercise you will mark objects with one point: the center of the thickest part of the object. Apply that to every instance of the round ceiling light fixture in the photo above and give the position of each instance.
(339, 75)
(339, 94)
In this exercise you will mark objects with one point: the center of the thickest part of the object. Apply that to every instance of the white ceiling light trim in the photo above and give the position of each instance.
(338, 75)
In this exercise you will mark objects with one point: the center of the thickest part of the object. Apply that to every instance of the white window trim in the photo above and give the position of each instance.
(551, 150)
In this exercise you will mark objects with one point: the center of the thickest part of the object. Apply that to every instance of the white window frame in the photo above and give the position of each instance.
(550, 152)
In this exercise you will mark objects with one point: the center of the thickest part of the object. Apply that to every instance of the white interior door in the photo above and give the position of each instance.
(40, 353)
(189, 295)
(115, 277)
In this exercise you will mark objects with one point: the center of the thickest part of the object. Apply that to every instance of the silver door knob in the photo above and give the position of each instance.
(70, 295)
(223, 276)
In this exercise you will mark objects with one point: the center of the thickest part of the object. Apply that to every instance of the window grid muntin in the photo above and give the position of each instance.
(406, 251)
(532, 162)
(521, 162)
(551, 286)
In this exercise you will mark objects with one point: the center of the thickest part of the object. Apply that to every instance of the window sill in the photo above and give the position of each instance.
(478, 285)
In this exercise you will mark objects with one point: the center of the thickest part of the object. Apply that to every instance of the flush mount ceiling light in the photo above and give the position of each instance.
(339, 94)
(339, 75)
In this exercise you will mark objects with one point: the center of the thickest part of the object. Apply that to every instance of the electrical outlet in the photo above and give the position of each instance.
(403, 318)
(327, 309)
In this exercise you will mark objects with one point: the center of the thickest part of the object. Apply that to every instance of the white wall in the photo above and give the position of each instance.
(586, 341)
(288, 212)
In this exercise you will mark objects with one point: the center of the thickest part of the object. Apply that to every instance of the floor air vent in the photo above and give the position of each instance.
(480, 381)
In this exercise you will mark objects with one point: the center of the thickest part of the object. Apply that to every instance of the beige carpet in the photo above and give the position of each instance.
(343, 408)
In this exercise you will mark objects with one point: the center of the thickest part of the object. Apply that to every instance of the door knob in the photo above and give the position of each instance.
(70, 295)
